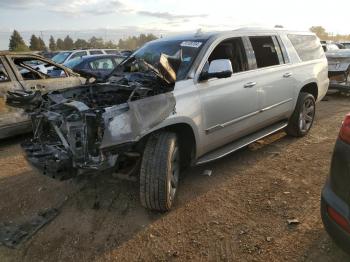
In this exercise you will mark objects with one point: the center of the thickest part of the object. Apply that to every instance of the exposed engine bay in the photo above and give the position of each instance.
(92, 127)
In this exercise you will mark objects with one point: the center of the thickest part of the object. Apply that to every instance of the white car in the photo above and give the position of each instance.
(65, 56)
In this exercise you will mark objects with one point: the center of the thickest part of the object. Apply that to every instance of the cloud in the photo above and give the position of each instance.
(169, 16)
(94, 7)
(76, 7)
(19, 3)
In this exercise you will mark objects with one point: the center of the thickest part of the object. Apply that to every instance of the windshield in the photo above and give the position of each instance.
(190, 48)
(74, 62)
(61, 57)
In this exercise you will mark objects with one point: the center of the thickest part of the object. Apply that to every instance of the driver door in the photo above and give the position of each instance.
(229, 105)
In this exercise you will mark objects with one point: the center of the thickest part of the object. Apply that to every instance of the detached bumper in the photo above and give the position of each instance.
(339, 235)
(51, 160)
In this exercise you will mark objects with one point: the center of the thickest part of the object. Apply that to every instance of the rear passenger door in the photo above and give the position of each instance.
(273, 77)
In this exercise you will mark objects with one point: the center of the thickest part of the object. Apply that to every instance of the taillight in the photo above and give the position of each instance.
(339, 219)
(344, 133)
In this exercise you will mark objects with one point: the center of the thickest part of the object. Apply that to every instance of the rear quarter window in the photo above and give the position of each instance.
(308, 47)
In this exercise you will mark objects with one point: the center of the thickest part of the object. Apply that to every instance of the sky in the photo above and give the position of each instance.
(114, 19)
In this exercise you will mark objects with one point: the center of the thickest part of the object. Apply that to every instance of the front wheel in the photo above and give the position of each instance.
(159, 174)
(303, 116)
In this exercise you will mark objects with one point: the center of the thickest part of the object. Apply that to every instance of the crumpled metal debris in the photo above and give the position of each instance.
(13, 235)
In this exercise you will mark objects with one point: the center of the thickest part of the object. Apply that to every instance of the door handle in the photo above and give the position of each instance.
(286, 75)
(249, 84)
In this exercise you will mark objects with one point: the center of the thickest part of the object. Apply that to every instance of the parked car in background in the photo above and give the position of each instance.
(48, 54)
(329, 46)
(97, 66)
(335, 200)
(112, 51)
(65, 56)
(126, 52)
(189, 99)
(346, 44)
(28, 72)
(339, 69)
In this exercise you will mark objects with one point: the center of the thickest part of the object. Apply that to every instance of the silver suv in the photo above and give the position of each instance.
(177, 101)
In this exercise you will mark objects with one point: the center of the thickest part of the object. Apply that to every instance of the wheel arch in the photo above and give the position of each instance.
(186, 131)
(311, 88)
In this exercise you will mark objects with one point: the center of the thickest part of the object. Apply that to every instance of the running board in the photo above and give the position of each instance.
(238, 144)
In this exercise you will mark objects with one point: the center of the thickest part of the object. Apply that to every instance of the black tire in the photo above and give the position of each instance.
(159, 173)
(303, 116)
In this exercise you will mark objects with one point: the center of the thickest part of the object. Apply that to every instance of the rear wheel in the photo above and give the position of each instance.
(159, 174)
(303, 116)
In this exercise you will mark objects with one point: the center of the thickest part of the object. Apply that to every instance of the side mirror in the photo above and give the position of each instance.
(220, 68)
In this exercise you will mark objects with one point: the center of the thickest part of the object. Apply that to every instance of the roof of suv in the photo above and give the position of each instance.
(244, 30)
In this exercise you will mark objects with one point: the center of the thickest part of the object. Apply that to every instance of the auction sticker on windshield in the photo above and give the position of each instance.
(191, 44)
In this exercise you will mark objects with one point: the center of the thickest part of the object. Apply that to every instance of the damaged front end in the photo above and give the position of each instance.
(95, 127)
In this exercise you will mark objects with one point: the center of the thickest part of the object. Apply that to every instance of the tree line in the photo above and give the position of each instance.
(36, 43)
(322, 33)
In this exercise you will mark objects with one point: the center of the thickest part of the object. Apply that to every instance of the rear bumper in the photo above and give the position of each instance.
(338, 234)
(339, 86)
(339, 80)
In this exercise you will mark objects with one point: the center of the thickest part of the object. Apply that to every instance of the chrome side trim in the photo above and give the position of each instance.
(275, 105)
(220, 126)
(231, 122)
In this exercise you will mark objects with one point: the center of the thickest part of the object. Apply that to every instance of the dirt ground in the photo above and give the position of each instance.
(239, 213)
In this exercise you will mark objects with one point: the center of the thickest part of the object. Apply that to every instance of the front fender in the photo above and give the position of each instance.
(173, 121)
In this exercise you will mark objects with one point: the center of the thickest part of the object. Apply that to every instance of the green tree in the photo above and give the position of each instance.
(110, 44)
(320, 32)
(52, 44)
(68, 43)
(42, 45)
(134, 42)
(81, 43)
(34, 44)
(95, 42)
(17, 43)
(60, 44)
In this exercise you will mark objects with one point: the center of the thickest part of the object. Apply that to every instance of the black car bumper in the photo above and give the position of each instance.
(330, 200)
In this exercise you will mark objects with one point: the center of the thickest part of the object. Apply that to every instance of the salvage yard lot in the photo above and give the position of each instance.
(239, 213)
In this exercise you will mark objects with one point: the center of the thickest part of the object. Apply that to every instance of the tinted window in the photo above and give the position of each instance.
(308, 47)
(3, 74)
(232, 49)
(102, 64)
(265, 50)
(61, 57)
(96, 52)
(118, 60)
(111, 52)
(78, 55)
(73, 62)
(347, 45)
